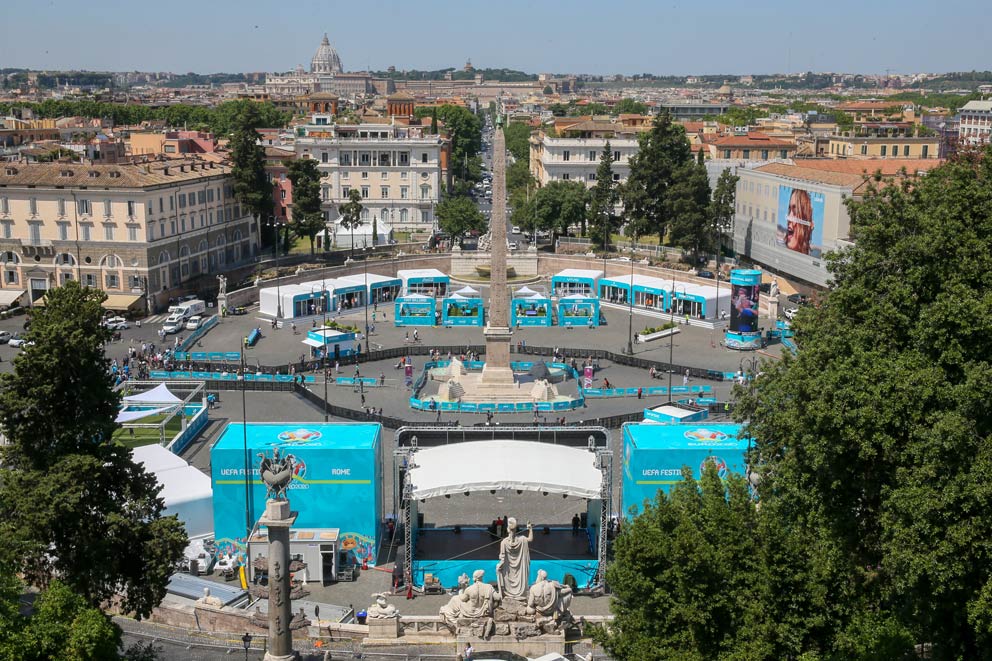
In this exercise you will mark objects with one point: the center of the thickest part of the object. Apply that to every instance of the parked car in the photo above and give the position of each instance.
(765, 288)
(516, 229)
(194, 322)
(116, 323)
(706, 274)
(513, 245)
(173, 324)
(18, 341)
(5, 337)
(791, 313)
(798, 299)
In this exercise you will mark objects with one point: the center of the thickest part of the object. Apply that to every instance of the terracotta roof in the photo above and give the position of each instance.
(400, 96)
(752, 140)
(855, 175)
(323, 96)
(692, 127)
(126, 175)
(871, 105)
(887, 166)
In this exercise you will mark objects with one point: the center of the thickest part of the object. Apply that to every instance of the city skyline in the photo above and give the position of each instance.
(667, 39)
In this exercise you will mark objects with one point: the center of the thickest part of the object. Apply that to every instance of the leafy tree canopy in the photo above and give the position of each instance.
(458, 215)
(559, 206)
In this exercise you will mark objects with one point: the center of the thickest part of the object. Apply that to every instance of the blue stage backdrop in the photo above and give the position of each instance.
(653, 457)
(337, 481)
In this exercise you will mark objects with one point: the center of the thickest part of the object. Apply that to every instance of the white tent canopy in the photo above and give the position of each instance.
(131, 416)
(467, 292)
(186, 491)
(503, 465)
(524, 292)
(160, 394)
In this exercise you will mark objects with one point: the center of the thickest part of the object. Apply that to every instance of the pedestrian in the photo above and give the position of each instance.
(685, 378)
(293, 326)
(439, 415)
(640, 392)
(468, 652)
(337, 367)
(576, 522)
(382, 379)
(363, 401)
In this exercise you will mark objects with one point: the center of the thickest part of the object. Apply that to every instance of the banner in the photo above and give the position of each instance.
(800, 220)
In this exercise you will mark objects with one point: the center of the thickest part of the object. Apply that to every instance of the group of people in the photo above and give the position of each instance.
(138, 361)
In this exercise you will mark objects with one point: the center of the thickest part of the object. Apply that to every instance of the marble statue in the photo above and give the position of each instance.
(477, 602)
(221, 285)
(548, 599)
(208, 600)
(381, 610)
(277, 473)
(513, 568)
(773, 289)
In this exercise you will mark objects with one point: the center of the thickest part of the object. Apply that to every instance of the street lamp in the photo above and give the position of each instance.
(671, 339)
(275, 227)
(630, 311)
(246, 641)
(367, 251)
(323, 335)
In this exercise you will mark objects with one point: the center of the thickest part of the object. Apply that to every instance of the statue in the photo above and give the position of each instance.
(477, 602)
(773, 289)
(513, 568)
(221, 286)
(277, 473)
(381, 610)
(208, 600)
(549, 599)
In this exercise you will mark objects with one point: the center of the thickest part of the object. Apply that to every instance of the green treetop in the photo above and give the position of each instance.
(308, 216)
(603, 219)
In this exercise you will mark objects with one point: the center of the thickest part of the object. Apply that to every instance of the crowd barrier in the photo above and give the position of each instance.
(228, 376)
(198, 333)
(650, 390)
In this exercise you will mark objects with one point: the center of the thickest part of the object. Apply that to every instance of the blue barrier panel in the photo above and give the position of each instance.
(561, 406)
(180, 355)
(310, 379)
(158, 375)
(524, 406)
(197, 355)
(544, 406)
(449, 406)
(249, 377)
(707, 389)
(505, 408)
(232, 355)
(706, 401)
(344, 381)
(470, 408)
(487, 407)
(657, 390)
(201, 375)
(285, 378)
(415, 403)
(181, 375)
(216, 356)
(593, 392)
(679, 389)
(264, 377)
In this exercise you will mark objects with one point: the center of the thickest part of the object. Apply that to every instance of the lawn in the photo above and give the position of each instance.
(148, 435)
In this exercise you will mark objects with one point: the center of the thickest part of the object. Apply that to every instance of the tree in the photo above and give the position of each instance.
(648, 206)
(630, 106)
(723, 205)
(603, 218)
(308, 215)
(548, 90)
(434, 120)
(559, 206)
(519, 178)
(689, 203)
(64, 628)
(459, 215)
(251, 186)
(351, 214)
(873, 440)
(465, 129)
(72, 498)
(518, 141)
(375, 231)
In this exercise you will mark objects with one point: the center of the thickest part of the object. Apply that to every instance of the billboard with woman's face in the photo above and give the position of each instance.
(800, 220)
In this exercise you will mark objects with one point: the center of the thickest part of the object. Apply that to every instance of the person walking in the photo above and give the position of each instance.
(576, 521)
(685, 378)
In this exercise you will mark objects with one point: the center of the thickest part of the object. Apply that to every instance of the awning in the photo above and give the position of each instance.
(524, 291)
(467, 292)
(121, 302)
(9, 296)
(160, 394)
(504, 465)
(131, 416)
(310, 342)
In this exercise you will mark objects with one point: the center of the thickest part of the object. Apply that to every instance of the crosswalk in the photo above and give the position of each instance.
(155, 319)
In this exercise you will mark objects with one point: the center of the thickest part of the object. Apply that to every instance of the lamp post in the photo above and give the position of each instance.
(244, 437)
(275, 229)
(671, 340)
(246, 641)
(323, 336)
(367, 251)
(630, 308)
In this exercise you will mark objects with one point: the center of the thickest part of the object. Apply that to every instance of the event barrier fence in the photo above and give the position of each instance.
(198, 333)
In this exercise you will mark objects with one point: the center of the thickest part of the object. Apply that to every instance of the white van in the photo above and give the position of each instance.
(191, 308)
(174, 324)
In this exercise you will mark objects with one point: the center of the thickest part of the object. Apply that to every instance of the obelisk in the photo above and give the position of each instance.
(496, 371)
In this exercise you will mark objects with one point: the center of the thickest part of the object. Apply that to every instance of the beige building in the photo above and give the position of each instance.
(161, 227)
(397, 168)
(574, 154)
(976, 123)
(895, 147)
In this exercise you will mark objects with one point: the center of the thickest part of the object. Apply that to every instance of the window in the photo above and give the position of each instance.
(11, 277)
(161, 208)
(108, 232)
(404, 215)
(282, 193)
(324, 157)
(425, 192)
(111, 281)
(764, 154)
(345, 158)
(592, 176)
(616, 177)
(182, 223)
(131, 210)
(345, 175)
(172, 204)
(161, 230)
(365, 215)
(63, 231)
(192, 199)
(345, 191)
(895, 150)
(64, 259)
(746, 154)
(404, 192)
(884, 150)
(4, 205)
(425, 216)
(905, 150)
(365, 175)
(403, 175)
(384, 190)
(33, 206)
(34, 230)
(926, 151)
(565, 155)
(404, 158)
(132, 232)
(106, 208)
(592, 156)
(565, 176)
(61, 207)
(784, 153)
(210, 194)
(151, 232)
(726, 153)
(201, 196)
(86, 231)
(90, 280)
(423, 158)
(182, 202)
(864, 150)
(616, 156)
(365, 192)
(383, 175)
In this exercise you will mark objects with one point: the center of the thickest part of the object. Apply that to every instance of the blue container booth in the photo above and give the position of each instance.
(576, 281)
(429, 282)
(578, 310)
(381, 288)
(335, 343)
(532, 310)
(337, 482)
(462, 311)
(414, 310)
(653, 457)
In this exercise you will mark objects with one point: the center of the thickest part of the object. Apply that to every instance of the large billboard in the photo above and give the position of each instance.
(800, 220)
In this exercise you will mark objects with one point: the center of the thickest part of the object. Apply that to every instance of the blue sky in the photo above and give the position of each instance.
(579, 36)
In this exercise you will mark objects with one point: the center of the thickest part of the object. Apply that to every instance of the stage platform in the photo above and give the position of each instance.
(447, 554)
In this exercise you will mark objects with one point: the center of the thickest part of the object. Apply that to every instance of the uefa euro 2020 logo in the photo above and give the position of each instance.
(299, 436)
(703, 435)
(721, 466)
(300, 469)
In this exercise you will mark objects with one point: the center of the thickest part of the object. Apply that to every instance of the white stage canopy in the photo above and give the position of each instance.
(160, 394)
(524, 291)
(467, 292)
(131, 416)
(494, 465)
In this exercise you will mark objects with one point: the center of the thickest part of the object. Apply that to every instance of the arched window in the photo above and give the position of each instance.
(184, 261)
(111, 262)
(164, 257)
(65, 259)
(10, 257)
(404, 215)
(203, 246)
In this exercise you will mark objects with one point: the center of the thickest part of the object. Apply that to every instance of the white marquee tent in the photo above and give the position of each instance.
(503, 465)
(185, 490)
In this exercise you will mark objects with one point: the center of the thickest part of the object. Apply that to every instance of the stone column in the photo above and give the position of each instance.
(278, 520)
(497, 368)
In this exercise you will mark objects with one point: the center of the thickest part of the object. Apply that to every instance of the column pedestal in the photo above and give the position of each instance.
(278, 520)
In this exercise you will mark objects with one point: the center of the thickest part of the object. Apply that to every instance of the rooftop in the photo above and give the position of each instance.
(139, 174)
